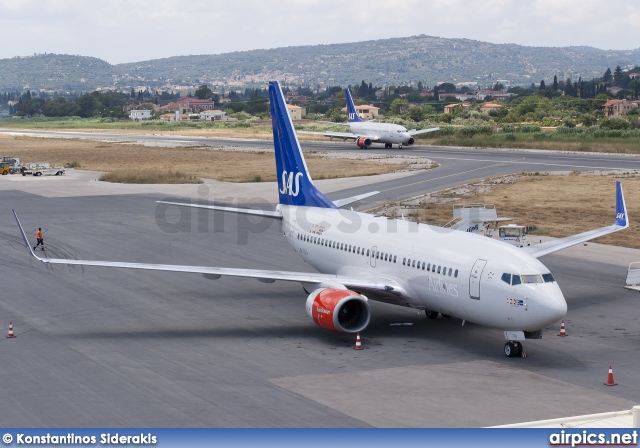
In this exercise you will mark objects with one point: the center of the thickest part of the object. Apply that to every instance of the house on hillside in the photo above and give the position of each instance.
(138, 115)
(296, 112)
(458, 96)
(366, 111)
(195, 104)
(494, 94)
(618, 108)
(214, 115)
(488, 107)
(448, 109)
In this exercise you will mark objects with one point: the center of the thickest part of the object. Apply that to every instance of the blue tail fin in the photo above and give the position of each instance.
(294, 182)
(352, 115)
(621, 208)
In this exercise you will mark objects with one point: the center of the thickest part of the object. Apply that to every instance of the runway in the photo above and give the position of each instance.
(110, 347)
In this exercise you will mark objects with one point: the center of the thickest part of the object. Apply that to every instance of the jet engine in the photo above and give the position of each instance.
(410, 142)
(363, 142)
(339, 309)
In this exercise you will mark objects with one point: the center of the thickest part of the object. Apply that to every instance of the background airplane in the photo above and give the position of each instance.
(365, 133)
(360, 257)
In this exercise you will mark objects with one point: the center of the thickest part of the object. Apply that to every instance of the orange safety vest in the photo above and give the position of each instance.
(39, 235)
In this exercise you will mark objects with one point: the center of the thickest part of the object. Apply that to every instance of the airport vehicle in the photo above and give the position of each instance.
(5, 168)
(514, 234)
(42, 168)
(365, 133)
(14, 163)
(361, 257)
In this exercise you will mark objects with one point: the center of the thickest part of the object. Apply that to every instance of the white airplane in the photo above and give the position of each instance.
(365, 133)
(361, 257)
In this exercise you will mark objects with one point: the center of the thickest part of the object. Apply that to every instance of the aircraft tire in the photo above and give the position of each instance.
(509, 349)
(431, 314)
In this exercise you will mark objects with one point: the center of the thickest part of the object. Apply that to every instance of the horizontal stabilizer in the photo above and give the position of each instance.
(246, 211)
(352, 199)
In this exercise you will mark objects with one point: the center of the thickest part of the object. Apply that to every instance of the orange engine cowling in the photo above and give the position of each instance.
(363, 142)
(339, 309)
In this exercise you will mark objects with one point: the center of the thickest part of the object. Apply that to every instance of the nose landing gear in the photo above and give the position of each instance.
(513, 349)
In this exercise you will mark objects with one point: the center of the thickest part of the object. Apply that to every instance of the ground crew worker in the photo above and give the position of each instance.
(39, 238)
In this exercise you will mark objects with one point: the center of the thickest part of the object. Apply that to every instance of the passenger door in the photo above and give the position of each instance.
(474, 278)
(372, 256)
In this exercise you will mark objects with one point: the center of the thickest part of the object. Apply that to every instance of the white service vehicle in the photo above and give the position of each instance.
(42, 169)
(514, 234)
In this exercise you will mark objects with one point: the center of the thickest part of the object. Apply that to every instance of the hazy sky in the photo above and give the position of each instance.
(135, 30)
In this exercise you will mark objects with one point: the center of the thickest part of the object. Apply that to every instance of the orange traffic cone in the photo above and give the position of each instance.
(562, 331)
(358, 343)
(11, 335)
(610, 381)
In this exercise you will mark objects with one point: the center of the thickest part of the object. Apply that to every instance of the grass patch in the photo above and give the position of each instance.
(149, 176)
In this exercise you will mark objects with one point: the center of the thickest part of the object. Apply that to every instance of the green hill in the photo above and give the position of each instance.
(392, 61)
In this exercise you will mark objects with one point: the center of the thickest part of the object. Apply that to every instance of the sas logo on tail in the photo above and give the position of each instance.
(620, 216)
(290, 183)
(352, 115)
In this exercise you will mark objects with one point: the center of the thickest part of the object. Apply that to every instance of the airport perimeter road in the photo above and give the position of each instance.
(100, 347)
(457, 165)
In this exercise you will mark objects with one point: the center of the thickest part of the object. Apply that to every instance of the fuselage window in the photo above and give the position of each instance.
(423, 265)
(378, 255)
(444, 270)
(368, 252)
(385, 257)
(315, 240)
(413, 264)
(404, 261)
(358, 251)
(455, 274)
(395, 257)
(450, 272)
(438, 269)
(428, 266)
(341, 246)
(515, 280)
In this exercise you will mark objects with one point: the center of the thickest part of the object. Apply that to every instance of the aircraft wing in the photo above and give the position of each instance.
(423, 131)
(375, 284)
(621, 223)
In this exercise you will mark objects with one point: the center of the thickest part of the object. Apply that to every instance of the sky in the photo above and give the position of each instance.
(120, 31)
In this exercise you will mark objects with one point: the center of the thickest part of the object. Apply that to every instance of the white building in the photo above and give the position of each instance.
(142, 114)
(213, 115)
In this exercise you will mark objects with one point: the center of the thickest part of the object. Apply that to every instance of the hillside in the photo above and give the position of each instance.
(392, 61)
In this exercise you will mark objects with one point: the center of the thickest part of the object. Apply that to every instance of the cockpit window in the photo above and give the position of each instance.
(532, 279)
(515, 280)
(506, 278)
(548, 278)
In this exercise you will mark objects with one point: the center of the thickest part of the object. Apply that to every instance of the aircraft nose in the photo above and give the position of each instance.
(551, 305)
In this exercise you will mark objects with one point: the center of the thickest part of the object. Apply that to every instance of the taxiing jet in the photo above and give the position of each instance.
(365, 133)
(362, 257)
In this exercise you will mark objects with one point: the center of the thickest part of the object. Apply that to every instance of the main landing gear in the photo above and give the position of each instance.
(388, 146)
(513, 349)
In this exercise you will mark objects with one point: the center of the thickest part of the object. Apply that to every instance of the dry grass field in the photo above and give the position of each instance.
(229, 166)
(558, 205)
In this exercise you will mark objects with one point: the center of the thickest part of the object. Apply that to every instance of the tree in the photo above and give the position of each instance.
(555, 82)
(416, 114)
(542, 86)
(607, 75)
(203, 92)
(399, 105)
(617, 76)
(447, 87)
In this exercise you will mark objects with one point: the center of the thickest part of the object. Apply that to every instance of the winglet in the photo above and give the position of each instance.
(352, 115)
(24, 237)
(621, 208)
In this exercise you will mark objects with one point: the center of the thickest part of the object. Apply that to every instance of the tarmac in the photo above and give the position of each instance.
(100, 347)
